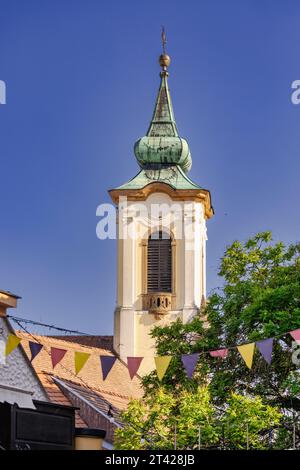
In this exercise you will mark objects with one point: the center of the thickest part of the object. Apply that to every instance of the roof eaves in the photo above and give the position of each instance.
(7, 292)
(62, 384)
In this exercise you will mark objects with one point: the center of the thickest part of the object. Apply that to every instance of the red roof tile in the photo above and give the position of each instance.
(117, 383)
(103, 342)
(56, 396)
(87, 389)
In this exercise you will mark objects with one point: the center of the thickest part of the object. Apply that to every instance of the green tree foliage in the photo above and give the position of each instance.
(249, 420)
(259, 299)
(191, 420)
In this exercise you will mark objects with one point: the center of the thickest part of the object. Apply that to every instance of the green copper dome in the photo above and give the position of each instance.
(163, 156)
(162, 146)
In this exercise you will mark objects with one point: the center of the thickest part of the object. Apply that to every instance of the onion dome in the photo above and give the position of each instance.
(162, 146)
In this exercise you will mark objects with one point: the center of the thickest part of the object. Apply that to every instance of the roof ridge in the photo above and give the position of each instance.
(57, 338)
(79, 336)
(91, 387)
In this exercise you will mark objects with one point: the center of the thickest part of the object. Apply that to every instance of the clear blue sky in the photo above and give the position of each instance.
(82, 78)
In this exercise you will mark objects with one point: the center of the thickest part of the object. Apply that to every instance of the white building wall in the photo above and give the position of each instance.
(16, 372)
(132, 324)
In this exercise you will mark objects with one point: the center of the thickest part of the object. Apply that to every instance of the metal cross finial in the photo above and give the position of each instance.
(164, 59)
(164, 39)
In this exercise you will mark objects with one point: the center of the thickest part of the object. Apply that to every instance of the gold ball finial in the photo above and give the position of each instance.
(164, 61)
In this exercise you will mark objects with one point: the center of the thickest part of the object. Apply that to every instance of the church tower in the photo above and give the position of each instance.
(161, 218)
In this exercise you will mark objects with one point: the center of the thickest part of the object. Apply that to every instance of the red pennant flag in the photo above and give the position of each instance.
(133, 365)
(295, 334)
(219, 353)
(57, 355)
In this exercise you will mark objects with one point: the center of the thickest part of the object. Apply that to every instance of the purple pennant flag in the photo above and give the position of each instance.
(106, 364)
(190, 361)
(34, 349)
(133, 365)
(265, 348)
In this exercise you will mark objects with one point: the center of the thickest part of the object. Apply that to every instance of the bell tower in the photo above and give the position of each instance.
(161, 231)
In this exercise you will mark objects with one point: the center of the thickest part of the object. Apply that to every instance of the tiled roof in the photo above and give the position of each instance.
(95, 399)
(64, 386)
(56, 396)
(117, 384)
(104, 342)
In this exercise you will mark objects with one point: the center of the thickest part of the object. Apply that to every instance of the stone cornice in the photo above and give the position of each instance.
(141, 194)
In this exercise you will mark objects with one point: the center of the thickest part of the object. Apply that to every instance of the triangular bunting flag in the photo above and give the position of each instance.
(162, 363)
(133, 364)
(12, 342)
(219, 353)
(247, 351)
(189, 362)
(106, 364)
(80, 359)
(265, 348)
(34, 349)
(295, 334)
(57, 355)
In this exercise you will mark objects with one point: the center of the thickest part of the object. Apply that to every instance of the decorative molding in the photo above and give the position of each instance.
(159, 303)
(200, 195)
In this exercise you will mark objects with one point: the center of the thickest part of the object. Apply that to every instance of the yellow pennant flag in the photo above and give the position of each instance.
(247, 351)
(80, 360)
(162, 363)
(12, 342)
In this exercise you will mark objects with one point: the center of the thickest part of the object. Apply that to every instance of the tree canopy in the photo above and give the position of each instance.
(189, 420)
(259, 298)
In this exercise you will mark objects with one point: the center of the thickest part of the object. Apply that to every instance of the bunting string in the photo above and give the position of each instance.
(86, 385)
(46, 325)
(189, 361)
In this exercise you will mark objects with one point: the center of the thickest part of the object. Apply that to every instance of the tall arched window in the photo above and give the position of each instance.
(159, 263)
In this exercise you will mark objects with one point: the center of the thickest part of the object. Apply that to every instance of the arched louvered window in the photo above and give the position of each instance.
(159, 263)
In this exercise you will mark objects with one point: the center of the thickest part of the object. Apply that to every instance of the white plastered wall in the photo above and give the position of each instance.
(132, 324)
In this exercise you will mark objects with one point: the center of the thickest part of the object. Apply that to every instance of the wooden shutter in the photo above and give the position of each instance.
(159, 263)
